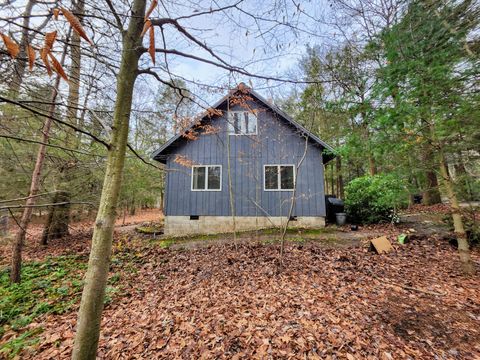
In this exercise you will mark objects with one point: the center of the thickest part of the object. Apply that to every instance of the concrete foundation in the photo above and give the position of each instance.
(183, 225)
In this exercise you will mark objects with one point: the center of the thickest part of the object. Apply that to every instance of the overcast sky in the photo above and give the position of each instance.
(264, 45)
(262, 49)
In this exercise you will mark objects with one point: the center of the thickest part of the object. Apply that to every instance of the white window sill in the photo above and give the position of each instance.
(203, 190)
(278, 189)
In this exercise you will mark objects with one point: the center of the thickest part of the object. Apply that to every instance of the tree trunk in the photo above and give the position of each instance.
(431, 195)
(412, 179)
(58, 218)
(292, 204)
(339, 177)
(414, 184)
(161, 201)
(325, 179)
(35, 182)
(91, 306)
(34, 186)
(463, 179)
(372, 167)
(132, 208)
(332, 178)
(20, 62)
(463, 248)
(230, 187)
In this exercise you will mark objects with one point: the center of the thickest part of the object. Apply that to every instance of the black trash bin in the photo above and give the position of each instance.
(333, 206)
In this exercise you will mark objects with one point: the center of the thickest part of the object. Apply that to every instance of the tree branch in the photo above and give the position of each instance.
(36, 112)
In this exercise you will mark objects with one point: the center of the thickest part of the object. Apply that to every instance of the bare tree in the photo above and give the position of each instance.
(35, 183)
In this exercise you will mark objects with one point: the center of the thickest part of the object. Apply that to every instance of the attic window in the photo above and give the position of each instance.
(242, 123)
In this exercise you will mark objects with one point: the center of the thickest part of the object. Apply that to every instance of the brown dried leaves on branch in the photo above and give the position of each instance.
(146, 26)
(31, 57)
(212, 112)
(56, 12)
(47, 56)
(12, 47)
(58, 67)
(46, 51)
(151, 47)
(50, 38)
(152, 7)
(75, 23)
(44, 57)
(184, 161)
(151, 31)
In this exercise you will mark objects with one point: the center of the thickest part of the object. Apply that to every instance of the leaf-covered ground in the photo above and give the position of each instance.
(218, 302)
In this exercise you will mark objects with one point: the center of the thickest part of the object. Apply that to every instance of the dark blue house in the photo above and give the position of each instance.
(273, 161)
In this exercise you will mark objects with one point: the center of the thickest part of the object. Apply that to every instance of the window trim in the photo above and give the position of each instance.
(206, 177)
(279, 177)
(230, 125)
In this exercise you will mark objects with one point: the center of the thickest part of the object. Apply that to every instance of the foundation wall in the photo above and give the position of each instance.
(182, 225)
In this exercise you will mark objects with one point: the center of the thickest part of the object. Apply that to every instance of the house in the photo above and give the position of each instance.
(270, 153)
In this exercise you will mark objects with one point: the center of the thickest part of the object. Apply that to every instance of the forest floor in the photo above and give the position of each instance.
(200, 297)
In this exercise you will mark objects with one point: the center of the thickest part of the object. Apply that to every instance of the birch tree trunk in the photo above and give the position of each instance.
(91, 306)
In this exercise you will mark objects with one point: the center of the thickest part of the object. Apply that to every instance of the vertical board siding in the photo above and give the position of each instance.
(276, 143)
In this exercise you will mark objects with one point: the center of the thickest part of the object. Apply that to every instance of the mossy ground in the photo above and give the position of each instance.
(52, 286)
(266, 236)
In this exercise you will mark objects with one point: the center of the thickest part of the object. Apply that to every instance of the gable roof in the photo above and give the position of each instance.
(162, 153)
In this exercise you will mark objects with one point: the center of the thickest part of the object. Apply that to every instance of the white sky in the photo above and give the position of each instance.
(275, 53)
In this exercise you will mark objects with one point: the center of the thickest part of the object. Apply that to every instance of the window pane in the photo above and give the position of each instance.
(252, 124)
(271, 177)
(286, 177)
(231, 128)
(237, 123)
(233, 123)
(199, 178)
(242, 122)
(214, 177)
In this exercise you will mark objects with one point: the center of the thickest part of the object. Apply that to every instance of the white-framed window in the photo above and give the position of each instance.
(206, 178)
(242, 123)
(279, 177)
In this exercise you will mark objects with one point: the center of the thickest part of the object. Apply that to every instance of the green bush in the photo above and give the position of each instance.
(373, 199)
